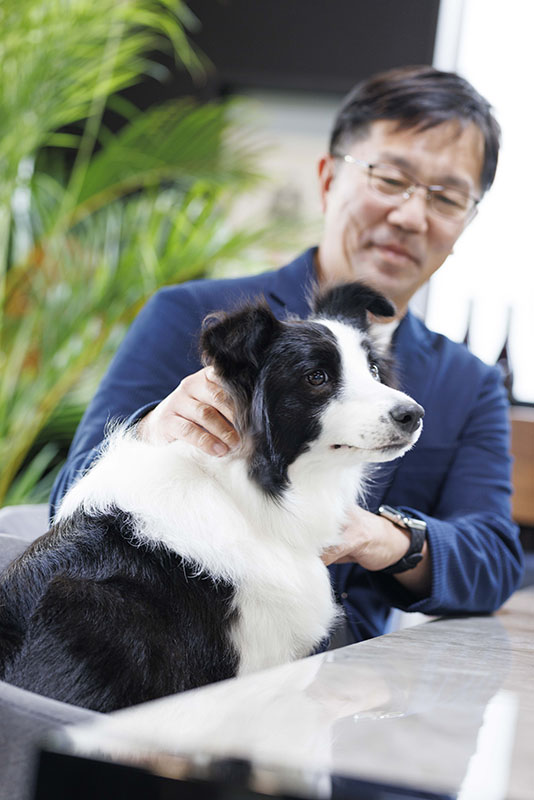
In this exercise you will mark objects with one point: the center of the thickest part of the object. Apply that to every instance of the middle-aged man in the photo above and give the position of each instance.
(411, 154)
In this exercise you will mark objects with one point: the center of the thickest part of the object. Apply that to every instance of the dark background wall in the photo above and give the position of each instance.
(304, 45)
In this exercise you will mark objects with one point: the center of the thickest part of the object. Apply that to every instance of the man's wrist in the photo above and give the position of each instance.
(416, 530)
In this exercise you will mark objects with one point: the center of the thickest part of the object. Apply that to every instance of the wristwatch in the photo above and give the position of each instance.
(417, 530)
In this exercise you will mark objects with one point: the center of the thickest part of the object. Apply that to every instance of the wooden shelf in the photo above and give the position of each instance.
(522, 448)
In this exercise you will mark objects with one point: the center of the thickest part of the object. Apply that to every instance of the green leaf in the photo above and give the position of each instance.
(23, 488)
(149, 207)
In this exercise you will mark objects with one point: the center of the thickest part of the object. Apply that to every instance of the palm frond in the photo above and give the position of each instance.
(177, 142)
(89, 244)
(60, 57)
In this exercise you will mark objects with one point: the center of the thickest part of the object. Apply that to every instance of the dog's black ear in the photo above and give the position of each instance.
(351, 301)
(236, 343)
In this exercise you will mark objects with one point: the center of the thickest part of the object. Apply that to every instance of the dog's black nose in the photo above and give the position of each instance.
(407, 416)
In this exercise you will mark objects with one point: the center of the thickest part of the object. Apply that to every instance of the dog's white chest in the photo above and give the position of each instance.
(270, 553)
(283, 613)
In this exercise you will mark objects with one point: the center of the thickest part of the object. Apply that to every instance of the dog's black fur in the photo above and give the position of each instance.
(104, 623)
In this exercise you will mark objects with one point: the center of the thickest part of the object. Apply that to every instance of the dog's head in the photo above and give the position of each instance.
(322, 383)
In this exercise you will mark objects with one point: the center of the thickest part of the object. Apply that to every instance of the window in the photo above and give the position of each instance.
(491, 273)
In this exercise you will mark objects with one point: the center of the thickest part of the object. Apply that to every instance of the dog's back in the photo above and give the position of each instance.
(101, 622)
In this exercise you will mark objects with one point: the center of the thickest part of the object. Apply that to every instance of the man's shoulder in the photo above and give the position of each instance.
(206, 291)
(206, 295)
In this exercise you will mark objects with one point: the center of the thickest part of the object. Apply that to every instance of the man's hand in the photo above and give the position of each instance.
(376, 543)
(198, 411)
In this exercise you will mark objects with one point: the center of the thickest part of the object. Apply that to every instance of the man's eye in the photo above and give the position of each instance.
(450, 200)
(395, 183)
(375, 372)
(317, 377)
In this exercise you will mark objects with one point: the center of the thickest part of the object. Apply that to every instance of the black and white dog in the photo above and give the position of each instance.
(166, 568)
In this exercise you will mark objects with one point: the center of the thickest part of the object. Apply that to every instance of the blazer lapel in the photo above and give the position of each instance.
(293, 285)
(412, 351)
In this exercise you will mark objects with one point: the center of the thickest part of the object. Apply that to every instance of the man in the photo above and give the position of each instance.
(411, 154)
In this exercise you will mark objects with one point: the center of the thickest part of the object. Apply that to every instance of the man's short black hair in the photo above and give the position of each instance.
(419, 97)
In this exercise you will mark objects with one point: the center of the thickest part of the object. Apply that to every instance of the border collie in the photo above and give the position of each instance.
(166, 568)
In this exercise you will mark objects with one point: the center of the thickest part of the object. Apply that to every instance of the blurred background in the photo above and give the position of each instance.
(146, 142)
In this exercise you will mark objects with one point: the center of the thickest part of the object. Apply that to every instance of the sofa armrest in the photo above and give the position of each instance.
(19, 526)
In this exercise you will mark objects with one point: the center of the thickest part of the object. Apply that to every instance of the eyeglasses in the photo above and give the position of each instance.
(391, 182)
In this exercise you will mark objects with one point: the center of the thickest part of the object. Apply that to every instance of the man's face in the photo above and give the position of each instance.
(395, 245)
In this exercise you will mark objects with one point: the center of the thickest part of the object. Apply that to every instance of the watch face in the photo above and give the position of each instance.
(401, 518)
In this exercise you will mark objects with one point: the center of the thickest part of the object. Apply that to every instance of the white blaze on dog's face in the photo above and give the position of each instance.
(374, 420)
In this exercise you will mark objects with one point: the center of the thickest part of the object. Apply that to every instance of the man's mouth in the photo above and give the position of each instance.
(395, 253)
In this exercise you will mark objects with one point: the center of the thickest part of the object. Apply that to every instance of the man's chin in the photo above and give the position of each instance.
(391, 282)
(396, 283)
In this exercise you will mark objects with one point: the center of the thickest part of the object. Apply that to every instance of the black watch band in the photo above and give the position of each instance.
(417, 530)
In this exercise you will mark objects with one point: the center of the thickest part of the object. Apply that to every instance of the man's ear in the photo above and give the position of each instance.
(326, 169)
(236, 343)
(351, 302)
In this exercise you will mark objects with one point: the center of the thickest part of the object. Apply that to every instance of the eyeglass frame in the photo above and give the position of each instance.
(431, 189)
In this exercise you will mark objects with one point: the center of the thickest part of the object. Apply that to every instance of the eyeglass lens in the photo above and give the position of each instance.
(392, 182)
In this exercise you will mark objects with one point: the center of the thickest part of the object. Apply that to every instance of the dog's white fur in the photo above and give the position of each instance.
(209, 511)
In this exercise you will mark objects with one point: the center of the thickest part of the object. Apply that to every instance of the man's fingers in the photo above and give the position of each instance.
(203, 387)
(211, 420)
(187, 431)
(201, 438)
(198, 411)
(219, 398)
(337, 554)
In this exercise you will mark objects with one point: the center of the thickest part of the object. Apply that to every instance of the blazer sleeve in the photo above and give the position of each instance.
(474, 546)
(159, 349)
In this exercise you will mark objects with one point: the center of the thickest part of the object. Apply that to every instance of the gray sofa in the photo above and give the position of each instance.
(25, 717)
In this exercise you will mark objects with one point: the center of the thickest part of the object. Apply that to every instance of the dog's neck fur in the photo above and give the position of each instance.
(177, 493)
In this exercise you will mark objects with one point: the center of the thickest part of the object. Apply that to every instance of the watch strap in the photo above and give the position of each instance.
(417, 529)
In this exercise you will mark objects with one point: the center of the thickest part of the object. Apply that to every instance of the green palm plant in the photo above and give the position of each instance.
(139, 209)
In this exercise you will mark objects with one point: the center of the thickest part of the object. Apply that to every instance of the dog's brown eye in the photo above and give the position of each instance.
(375, 372)
(317, 377)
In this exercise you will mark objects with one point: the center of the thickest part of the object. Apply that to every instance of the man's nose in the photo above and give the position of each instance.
(411, 211)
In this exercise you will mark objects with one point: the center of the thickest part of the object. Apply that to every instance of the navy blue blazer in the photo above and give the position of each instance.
(457, 478)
